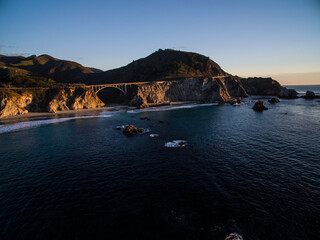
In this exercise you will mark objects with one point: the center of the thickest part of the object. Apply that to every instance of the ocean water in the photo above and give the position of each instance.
(77, 177)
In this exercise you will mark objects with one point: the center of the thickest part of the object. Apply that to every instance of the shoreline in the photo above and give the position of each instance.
(88, 112)
(83, 112)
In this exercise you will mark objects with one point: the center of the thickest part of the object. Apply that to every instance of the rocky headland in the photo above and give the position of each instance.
(206, 90)
(171, 76)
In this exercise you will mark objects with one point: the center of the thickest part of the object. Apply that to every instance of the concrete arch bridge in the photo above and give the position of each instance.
(123, 87)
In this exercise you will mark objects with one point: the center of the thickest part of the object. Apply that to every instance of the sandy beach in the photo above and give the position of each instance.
(82, 112)
(59, 114)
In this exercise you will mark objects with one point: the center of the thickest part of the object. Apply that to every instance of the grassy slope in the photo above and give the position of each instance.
(41, 71)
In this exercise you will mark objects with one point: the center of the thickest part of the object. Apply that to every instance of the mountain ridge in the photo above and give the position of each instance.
(161, 65)
(19, 70)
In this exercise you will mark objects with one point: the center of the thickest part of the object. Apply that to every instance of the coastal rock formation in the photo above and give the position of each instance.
(261, 86)
(73, 99)
(46, 100)
(131, 130)
(236, 101)
(274, 100)
(288, 93)
(189, 89)
(209, 89)
(12, 103)
(267, 87)
(259, 106)
(310, 94)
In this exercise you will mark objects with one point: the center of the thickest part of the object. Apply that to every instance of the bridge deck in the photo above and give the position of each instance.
(139, 83)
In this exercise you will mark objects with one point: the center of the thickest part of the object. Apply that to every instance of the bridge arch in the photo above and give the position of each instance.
(98, 88)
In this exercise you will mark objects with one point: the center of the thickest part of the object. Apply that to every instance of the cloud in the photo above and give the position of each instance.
(10, 50)
(75, 58)
(181, 47)
(6, 46)
(18, 54)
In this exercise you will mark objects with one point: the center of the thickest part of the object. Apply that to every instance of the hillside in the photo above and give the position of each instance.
(162, 64)
(41, 70)
(190, 77)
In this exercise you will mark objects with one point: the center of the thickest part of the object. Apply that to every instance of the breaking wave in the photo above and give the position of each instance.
(172, 107)
(176, 143)
(154, 135)
(34, 124)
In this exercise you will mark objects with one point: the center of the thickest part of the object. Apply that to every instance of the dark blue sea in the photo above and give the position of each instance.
(78, 177)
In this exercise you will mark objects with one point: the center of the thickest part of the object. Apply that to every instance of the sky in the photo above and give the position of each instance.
(246, 38)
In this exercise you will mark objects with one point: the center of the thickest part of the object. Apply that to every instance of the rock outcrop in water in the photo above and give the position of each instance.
(46, 100)
(288, 93)
(274, 100)
(311, 95)
(259, 106)
(131, 130)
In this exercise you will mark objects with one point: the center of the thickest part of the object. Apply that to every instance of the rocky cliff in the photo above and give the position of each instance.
(203, 89)
(266, 87)
(46, 100)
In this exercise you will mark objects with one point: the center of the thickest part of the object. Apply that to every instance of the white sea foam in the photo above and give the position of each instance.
(37, 123)
(154, 135)
(145, 130)
(121, 127)
(171, 107)
(176, 143)
(237, 104)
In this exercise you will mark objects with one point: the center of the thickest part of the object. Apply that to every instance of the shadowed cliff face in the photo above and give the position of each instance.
(189, 89)
(261, 86)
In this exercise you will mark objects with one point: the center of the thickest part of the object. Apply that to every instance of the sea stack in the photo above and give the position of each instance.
(274, 100)
(259, 106)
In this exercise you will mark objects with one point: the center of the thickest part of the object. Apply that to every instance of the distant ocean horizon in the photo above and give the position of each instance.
(301, 89)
